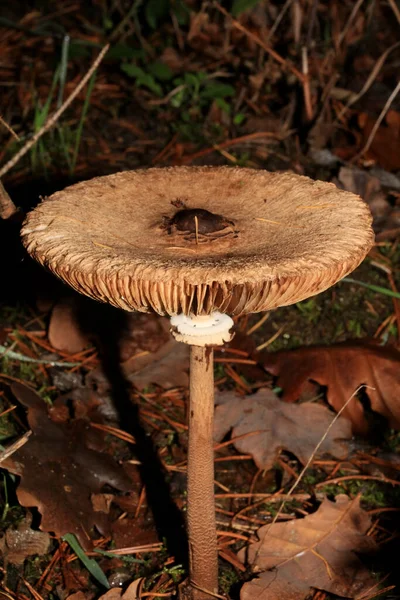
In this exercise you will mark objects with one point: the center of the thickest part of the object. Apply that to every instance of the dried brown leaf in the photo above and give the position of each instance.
(149, 355)
(59, 473)
(133, 592)
(113, 594)
(168, 367)
(385, 144)
(343, 368)
(78, 596)
(270, 425)
(369, 188)
(321, 551)
(143, 333)
(17, 544)
(130, 532)
(64, 333)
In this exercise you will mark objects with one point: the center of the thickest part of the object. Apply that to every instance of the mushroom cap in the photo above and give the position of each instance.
(144, 240)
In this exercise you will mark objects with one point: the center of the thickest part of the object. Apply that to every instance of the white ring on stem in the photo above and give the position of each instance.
(205, 330)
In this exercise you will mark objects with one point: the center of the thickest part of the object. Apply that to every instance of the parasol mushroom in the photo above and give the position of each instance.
(200, 244)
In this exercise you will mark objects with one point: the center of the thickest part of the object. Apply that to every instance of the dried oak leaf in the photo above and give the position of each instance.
(64, 332)
(149, 355)
(78, 596)
(17, 544)
(343, 368)
(273, 425)
(320, 551)
(130, 532)
(133, 592)
(165, 362)
(59, 473)
(167, 367)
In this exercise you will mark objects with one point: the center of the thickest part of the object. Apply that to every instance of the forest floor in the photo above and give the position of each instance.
(306, 86)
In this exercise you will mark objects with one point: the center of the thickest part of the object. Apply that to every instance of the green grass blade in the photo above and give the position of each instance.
(63, 69)
(78, 136)
(89, 563)
(40, 117)
(373, 288)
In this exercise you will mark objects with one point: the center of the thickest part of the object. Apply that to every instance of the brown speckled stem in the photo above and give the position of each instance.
(203, 554)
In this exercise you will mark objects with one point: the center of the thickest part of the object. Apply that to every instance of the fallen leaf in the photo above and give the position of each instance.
(384, 148)
(129, 532)
(77, 596)
(64, 332)
(369, 188)
(149, 355)
(168, 367)
(273, 425)
(59, 473)
(17, 544)
(343, 368)
(143, 333)
(102, 502)
(246, 345)
(320, 551)
(113, 594)
(133, 592)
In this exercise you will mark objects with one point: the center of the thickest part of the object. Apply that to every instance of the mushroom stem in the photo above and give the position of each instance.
(203, 554)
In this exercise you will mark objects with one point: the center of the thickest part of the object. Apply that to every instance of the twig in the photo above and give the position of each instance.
(270, 340)
(306, 84)
(7, 206)
(395, 9)
(353, 13)
(239, 140)
(378, 122)
(14, 446)
(258, 324)
(278, 19)
(10, 129)
(7, 353)
(371, 78)
(256, 39)
(54, 118)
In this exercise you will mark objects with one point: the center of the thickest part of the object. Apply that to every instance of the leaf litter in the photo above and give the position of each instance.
(21, 542)
(319, 551)
(133, 592)
(262, 425)
(386, 213)
(147, 353)
(342, 368)
(59, 472)
(199, 42)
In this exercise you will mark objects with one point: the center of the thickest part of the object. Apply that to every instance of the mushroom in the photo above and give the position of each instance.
(200, 244)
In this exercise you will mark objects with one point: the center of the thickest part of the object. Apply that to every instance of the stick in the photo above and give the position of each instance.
(8, 353)
(256, 39)
(378, 121)
(10, 129)
(54, 118)
(395, 10)
(14, 446)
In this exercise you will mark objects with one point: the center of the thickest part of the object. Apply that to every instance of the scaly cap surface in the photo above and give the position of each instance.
(200, 239)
